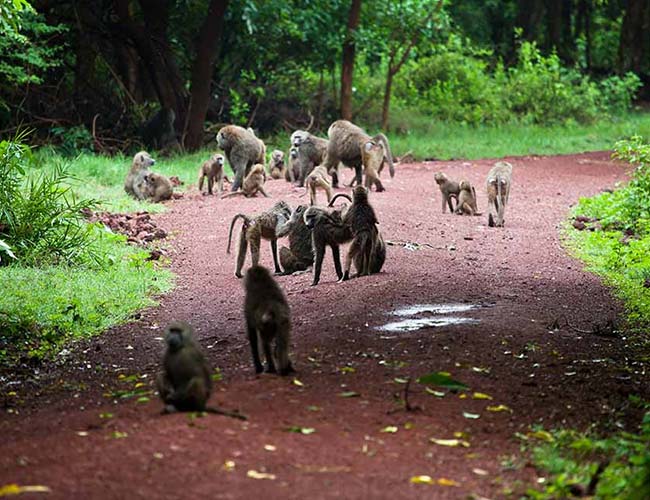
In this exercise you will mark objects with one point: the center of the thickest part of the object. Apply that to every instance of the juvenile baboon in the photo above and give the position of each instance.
(134, 182)
(317, 179)
(466, 199)
(362, 221)
(157, 187)
(377, 257)
(264, 225)
(346, 144)
(299, 256)
(498, 184)
(159, 133)
(253, 183)
(277, 168)
(448, 189)
(327, 228)
(268, 318)
(242, 148)
(372, 157)
(311, 151)
(293, 172)
(213, 171)
(185, 382)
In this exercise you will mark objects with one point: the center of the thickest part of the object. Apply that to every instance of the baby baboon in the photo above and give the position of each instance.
(362, 221)
(449, 190)
(159, 133)
(372, 156)
(277, 168)
(466, 199)
(213, 170)
(157, 187)
(293, 172)
(243, 149)
(299, 256)
(317, 179)
(311, 151)
(264, 225)
(346, 144)
(268, 318)
(253, 183)
(498, 184)
(134, 182)
(327, 228)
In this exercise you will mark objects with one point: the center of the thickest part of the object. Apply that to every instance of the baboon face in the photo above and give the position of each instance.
(143, 159)
(294, 152)
(465, 186)
(176, 334)
(218, 159)
(440, 178)
(297, 137)
(360, 194)
(277, 156)
(298, 214)
(310, 216)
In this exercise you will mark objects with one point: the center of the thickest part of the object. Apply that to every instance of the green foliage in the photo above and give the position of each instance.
(73, 140)
(10, 11)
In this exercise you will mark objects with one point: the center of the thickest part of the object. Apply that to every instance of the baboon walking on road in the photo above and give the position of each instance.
(242, 148)
(498, 184)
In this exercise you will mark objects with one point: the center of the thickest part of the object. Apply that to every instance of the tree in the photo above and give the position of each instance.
(634, 36)
(347, 67)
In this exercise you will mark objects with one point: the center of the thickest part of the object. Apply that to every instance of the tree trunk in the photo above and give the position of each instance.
(347, 69)
(529, 16)
(386, 104)
(207, 51)
(633, 36)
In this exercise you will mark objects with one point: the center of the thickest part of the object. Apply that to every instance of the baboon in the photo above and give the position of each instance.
(159, 133)
(134, 182)
(346, 144)
(327, 228)
(185, 382)
(498, 184)
(277, 168)
(213, 171)
(299, 256)
(466, 199)
(362, 221)
(243, 149)
(264, 225)
(311, 151)
(267, 318)
(157, 187)
(449, 190)
(377, 257)
(253, 183)
(317, 179)
(293, 172)
(262, 157)
(372, 157)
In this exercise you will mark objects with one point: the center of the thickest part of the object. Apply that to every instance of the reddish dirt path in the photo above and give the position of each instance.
(520, 274)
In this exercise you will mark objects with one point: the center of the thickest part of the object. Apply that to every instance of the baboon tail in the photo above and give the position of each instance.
(246, 220)
(389, 156)
(342, 195)
(201, 176)
(499, 203)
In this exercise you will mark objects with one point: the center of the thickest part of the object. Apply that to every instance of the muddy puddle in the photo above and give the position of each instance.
(420, 316)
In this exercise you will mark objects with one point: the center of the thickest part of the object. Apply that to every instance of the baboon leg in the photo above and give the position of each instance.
(335, 177)
(241, 255)
(274, 249)
(261, 190)
(312, 195)
(220, 185)
(352, 251)
(358, 174)
(210, 184)
(268, 353)
(201, 182)
(328, 190)
(451, 205)
(164, 388)
(336, 255)
(239, 176)
(319, 254)
(282, 355)
(252, 339)
(255, 251)
(196, 394)
(378, 185)
(288, 261)
(444, 204)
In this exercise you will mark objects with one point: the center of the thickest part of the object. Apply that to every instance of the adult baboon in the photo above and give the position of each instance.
(262, 157)
(299, 256)
(346, 143)
(253, 183)
(264, 225)
(467, 199)
(498, 184)
(242, 148)
(449, 189)
(212, 169)
(268, 318)
(277, 168)
(134, 182)
(311, 152)
(159, 133)
(317, 179)
(157, 187)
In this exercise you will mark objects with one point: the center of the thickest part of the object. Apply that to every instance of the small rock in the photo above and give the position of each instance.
(580, 226)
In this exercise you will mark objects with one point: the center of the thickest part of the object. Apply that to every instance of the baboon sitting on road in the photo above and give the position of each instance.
(449, 189)
(299, 256)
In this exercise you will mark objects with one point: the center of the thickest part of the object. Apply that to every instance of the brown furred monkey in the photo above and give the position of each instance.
(498, 184)
(185, 382)
(134, 184)
(299, 256)
(268, 319)
(346, 144)
(242, 148)
(157, 187)
(253, 183)
(449, 189)
(372, 156)
(264, 225)
(310, 152)
(466, 199)
(277, 168)
(212, 169)
(293, 172)
(317, 179)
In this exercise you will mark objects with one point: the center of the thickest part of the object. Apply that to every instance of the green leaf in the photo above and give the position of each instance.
(349, 394)
(442, 379)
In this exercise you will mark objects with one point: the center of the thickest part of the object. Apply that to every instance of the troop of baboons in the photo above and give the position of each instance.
(312, 163)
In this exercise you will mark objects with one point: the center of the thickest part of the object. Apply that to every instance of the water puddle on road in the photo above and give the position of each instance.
(437, 315)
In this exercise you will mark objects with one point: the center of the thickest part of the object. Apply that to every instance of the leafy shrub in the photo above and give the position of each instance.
(73, 140)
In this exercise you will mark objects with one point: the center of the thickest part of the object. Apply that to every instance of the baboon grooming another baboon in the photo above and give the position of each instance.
(157, 187)
(213, 171)
(311, 151)
(362, 221)
(134, 182)
(264, 225)
(268, 318)
(317, 179)
(185, 382)
(299, 256)
(448, 189)
(498, 184)
(243, 149)
(346, 144)
(277, 168)
(467, 199)
(253, 183)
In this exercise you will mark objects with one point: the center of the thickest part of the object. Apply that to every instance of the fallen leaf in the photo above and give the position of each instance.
(118, 435)
(461, 435)
(269, 447)
(399, 380)
(138, 385)
(228, 465)
(314, 408)
(450, 442)
(301, 430)
(409, 425)
(542, 436)
(82, 433)
(422, 480)
(347, 369)
(438, 394)
(143, 399)
(472, 416)
(391, 429)
(462, 396)
(158, 456)
(253, 474)
(498, 408)
(441, 379)
(298, 383)
(480, 395)
(446, 482)
(349, 394)
(15, 489)
(480, 472)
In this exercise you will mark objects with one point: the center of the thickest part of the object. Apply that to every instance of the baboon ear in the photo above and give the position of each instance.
(368, 146)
